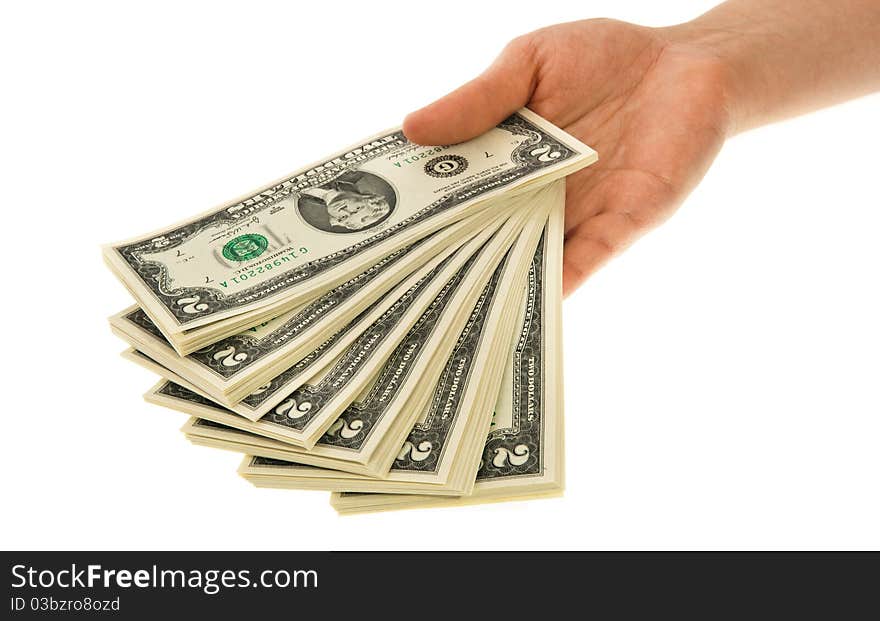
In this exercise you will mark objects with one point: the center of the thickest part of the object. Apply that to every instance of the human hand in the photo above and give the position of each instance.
(652, 102)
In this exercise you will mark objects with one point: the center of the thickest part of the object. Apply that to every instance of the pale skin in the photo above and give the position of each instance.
(658, 103)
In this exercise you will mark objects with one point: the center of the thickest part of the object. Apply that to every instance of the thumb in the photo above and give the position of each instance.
(479, 105)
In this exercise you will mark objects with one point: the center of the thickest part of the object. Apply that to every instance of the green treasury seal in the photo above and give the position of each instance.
(245, 247)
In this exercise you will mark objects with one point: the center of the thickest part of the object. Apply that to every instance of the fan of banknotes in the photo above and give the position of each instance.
(384, 324)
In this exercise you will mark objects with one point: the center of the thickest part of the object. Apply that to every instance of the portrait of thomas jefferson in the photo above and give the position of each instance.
(352, 202)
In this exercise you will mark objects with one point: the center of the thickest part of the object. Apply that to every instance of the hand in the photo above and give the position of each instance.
(650, 101)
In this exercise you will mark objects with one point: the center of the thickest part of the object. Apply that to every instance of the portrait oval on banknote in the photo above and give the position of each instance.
(354, 201)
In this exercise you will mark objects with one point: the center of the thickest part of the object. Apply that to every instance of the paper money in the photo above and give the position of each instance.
(380, 366)
(523, 454)
(231, 370)
(383, 324)
(266, 363)
(441, 453)
(281, 246)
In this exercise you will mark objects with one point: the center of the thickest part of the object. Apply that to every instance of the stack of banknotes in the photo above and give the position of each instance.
(384, 324)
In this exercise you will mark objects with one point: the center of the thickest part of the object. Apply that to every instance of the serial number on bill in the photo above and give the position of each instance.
(413, 158)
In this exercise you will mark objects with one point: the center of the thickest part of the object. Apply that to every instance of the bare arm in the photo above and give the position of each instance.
(786, 58)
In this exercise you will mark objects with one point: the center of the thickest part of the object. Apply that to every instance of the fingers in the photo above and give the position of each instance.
(482, 103)
(580, 259)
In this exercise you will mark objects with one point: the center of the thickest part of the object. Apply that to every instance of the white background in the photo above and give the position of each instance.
(721, 376)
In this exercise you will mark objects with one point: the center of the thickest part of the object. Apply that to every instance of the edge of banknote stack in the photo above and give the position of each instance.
(384, 324)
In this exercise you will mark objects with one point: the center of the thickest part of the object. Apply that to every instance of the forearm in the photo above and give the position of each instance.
(784, 58)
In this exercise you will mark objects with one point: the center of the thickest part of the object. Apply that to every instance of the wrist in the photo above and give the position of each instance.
(722, 53)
